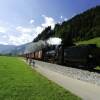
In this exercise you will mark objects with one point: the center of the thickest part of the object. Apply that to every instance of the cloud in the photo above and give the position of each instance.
(26, 35)
(31, 21)
(65, 19)
(38, 29)
(48, 22)
(24, 30)
(21, 35)
(4, 36)
(61, 17)
(3, 43)
(73, 15)
(3, 30)
(22, 39)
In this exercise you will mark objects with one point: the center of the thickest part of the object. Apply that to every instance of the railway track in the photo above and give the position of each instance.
(91, 76)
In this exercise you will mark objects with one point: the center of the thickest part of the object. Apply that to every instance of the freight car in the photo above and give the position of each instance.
(87, 56)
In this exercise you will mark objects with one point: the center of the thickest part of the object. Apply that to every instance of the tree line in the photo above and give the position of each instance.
(83, 26)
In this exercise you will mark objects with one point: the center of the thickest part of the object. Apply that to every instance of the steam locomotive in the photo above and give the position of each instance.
(86, 55)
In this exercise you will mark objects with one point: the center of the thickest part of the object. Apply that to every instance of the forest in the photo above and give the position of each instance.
(83, 26)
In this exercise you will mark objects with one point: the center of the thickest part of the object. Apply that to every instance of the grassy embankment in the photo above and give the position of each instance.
(91, 41)
(20, 82)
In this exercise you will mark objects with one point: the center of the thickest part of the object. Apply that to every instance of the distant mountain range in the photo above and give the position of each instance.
(12, 49)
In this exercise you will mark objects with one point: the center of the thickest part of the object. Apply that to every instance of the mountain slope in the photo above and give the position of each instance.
(5, 47)
(91, 41)
(13, 50)
(83, 26)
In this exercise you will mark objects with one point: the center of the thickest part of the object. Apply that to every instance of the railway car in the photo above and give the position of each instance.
(33, 55)
(40, 55)
(36, 55)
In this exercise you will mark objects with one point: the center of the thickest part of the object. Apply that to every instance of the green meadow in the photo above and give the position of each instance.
(18, 81)
(91, 41)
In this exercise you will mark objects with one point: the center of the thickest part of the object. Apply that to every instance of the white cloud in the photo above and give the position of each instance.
(31, 21)
(4, 36)
(73, 15)
(65, 19)
(61, 17)
(22, 39)
(3, 30)
(24, 30)
(3, 43)
(21, 35)
(26, 35)
(38, 29)
(48, 22)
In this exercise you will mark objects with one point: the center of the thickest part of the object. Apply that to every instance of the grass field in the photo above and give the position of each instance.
(91, 41)
(20, 82)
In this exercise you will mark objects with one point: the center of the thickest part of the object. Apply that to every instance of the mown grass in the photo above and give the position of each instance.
(19, 82)
(91, 41)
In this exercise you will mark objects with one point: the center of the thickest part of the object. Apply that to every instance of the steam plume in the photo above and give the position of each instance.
(54, 41)
(37, 46)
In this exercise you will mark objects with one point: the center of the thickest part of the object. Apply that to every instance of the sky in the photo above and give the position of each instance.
(22, 20)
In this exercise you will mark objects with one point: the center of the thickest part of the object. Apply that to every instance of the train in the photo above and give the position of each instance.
(85, 55)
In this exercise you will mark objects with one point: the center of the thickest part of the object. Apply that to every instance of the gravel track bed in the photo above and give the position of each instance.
(75, 73)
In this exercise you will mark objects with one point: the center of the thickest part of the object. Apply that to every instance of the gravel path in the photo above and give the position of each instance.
(75, 73)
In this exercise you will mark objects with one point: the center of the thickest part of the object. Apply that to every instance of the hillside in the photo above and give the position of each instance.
(5, 47)
(12, 49)
(91, 41)
(83, 26)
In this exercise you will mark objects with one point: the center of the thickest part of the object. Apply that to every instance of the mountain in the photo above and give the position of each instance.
(12, 49)
(83, 26)
(5, 47)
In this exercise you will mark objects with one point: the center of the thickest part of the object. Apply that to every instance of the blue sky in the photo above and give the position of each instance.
(22, 20)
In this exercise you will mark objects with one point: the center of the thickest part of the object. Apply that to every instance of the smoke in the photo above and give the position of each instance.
(38, 46)
(35, 46)
(54, 41)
